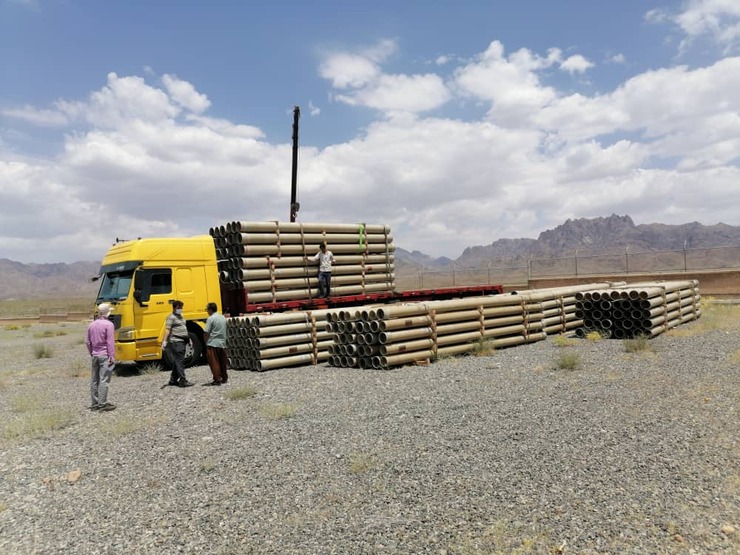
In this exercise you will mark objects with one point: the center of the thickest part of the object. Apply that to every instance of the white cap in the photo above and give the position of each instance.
(104, 309)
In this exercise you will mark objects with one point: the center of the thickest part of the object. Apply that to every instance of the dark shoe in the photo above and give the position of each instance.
(185, 383)
(172, 382)
(94, 407)
(224, 382)
(214, 382)
(107, 407)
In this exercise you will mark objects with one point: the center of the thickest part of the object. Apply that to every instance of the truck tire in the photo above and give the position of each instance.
(194, 351)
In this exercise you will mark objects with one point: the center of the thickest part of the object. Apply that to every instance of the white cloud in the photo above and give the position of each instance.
(184, 94)
(312, 109)
(141, 160)
(718, 19)
(616, 59)
(510, 84)
(36, 116)
(361, 81)
(576, 64)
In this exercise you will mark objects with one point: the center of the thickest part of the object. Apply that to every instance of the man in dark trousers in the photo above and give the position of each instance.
(216, 335)
(176, 337)
(325, 259)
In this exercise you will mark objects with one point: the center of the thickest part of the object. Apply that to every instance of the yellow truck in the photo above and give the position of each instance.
(142, 277)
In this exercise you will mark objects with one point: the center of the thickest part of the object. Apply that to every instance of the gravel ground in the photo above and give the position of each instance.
(506, 453)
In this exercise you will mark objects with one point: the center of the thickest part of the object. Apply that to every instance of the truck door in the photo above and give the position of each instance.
(153, 291)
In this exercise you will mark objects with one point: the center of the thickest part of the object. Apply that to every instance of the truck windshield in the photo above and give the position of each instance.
(115, 286)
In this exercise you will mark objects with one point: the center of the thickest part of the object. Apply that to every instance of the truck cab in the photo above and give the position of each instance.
(141, 278)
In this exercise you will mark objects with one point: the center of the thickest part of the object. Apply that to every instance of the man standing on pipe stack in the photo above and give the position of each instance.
(325, 259)
(102, 349)
(215, 335)
(176, 337)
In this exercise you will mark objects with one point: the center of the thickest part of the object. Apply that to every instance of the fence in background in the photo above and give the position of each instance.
(654, 262)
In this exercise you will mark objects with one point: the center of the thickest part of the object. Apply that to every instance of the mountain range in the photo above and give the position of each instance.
(589, 235)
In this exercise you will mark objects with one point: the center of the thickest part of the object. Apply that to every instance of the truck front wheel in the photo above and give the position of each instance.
(194, 351)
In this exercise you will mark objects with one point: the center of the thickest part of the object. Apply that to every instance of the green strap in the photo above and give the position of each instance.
(361, 237)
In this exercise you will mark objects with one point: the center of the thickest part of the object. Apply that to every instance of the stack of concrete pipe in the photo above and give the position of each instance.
(394, 335)
(273, 262)
(269, 341)
(638, 309)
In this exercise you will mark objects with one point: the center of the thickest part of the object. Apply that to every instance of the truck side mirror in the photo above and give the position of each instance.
(141, 288)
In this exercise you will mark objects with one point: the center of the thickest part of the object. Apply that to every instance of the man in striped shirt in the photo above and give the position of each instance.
(176, 337)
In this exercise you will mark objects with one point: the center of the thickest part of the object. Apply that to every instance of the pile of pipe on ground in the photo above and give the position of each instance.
(273, 262)
(394, 335)
(631, 310)
(270, 341)
(385, 336)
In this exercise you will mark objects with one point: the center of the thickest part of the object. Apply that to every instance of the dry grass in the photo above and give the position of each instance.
(240, 393)
(483, 348)
(360, 463)
(562, 341)
(42, 350)
(568, 361)
(639, 344)
(595, 335)
(26, 403)
(125, 425)
(279, 411)
(37, 423)
(714, 316)
(17, 309)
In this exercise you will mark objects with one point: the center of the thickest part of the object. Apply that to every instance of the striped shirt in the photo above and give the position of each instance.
(178, 328)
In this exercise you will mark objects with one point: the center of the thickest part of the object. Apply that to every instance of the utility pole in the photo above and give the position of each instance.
(294, 205)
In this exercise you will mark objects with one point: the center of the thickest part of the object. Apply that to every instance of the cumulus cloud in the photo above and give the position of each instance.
(360, 79)
(184, 94)
(576, 64)
(144, 159)
(717, 19)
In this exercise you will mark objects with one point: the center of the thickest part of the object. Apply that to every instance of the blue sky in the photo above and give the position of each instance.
(456, 123)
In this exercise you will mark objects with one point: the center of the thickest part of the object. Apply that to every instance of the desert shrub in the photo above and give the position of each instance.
(637, 344)
(595, 335)
(37, 423)
(360, 462)
(567, 361)
(41, 350)
(239, 393)
(278, 411)
(483, 348)
(562, 341)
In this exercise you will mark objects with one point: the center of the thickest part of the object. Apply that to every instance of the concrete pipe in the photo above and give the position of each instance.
(266, 342)
(415, 345)
(284, 351)
(500, 322)
(405, 358)
(459, 316)
(455, 349)
(400, 323)
(284, 362)
(504, 331)
(492, 312)
(458, 327)
(403, 335)
(401, 311)
(307, 227)
(279, 319)
(455, 339)
(284, 329)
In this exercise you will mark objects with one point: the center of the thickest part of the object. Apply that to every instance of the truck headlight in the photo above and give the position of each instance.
(126, 334)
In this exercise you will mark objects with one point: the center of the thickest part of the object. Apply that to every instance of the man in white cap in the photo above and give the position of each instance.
(101, 346)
